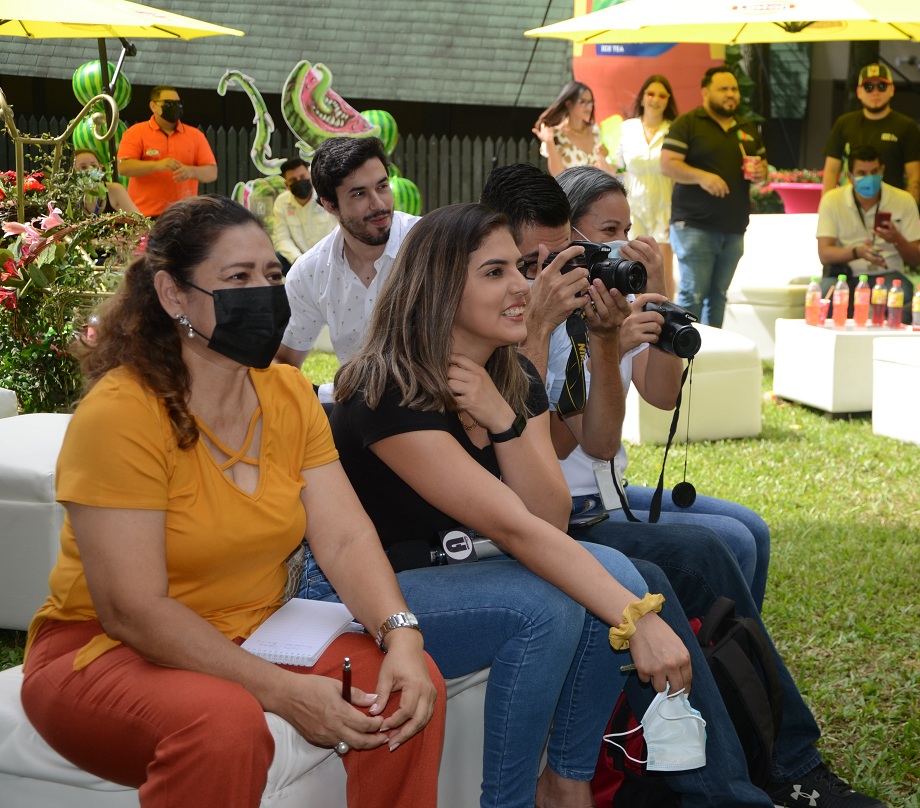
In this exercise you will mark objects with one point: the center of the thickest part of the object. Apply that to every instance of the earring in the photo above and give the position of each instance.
(184, 321)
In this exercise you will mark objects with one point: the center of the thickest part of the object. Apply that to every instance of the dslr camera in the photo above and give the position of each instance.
(678, 336)
(627, 277)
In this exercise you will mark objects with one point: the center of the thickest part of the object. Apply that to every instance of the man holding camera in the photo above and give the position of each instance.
(868, 226)
(692, 558)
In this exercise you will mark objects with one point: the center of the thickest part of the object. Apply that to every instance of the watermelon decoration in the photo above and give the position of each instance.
(389, 134)
(87, 83)
(406, 196)
(83, 138)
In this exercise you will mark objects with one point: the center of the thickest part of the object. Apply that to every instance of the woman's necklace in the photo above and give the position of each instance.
(469, 428)
(650, 131)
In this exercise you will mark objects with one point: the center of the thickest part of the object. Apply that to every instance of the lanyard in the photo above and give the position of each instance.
(859, 212)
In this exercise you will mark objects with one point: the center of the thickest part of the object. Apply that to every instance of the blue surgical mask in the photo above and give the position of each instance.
(869, 186)
(675, 734)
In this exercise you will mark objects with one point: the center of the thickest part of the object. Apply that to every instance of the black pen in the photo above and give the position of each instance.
(346, 680)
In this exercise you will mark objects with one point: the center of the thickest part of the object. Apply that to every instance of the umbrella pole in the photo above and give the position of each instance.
(108, 87)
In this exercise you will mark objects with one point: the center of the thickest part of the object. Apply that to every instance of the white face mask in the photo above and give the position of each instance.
(675, 734)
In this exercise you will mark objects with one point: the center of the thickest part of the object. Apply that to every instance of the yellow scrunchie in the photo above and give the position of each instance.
(619, 635)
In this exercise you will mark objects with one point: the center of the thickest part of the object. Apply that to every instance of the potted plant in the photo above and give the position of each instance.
(799, 188)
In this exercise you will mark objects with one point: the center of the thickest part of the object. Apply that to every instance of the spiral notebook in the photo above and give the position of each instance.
(299, 632)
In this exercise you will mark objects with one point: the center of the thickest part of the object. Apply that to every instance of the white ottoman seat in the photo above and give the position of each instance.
(754, 310)
(30, 519)
(723, 402)
(769, 284)
(896, 388)
(34, 775)
(9, 405)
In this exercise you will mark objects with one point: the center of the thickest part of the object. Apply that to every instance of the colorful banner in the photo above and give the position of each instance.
(616, 72)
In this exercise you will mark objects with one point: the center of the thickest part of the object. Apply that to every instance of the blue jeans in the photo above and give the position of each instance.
(551, 662)
(743, 530)
(707, 262)
(700, 569)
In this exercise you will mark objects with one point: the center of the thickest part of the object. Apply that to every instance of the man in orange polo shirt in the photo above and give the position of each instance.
(163, 158)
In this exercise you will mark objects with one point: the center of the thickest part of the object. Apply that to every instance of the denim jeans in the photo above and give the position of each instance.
(700, 569)
(707, 261)
(551, 662)
(743, 530)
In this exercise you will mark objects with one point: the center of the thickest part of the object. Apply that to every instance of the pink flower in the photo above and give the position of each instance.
(8, 298)
(29, 234)
(8, 271)
(53, 219)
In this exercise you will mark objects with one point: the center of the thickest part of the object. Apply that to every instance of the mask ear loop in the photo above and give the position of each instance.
(610, 739)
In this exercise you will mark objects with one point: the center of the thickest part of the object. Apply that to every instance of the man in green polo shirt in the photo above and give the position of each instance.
(705, 154)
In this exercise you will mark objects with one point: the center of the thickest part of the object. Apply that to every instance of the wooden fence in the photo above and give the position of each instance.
(446, 170)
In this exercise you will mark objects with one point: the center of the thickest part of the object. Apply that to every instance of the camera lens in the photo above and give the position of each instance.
(627, 277)
(685, 341)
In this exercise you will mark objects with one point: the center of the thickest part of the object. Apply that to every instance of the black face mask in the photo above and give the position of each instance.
(302, 188)
(171, 110)
(249, 323)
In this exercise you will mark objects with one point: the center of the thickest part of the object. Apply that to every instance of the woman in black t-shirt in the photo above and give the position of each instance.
(444, 436)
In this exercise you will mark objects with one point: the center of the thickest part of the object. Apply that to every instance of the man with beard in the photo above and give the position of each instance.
(296, 225)
(337, 282)
(704, 153)
(895, 136)
(163, 158)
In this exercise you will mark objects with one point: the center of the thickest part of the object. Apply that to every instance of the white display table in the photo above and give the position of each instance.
(825, 367)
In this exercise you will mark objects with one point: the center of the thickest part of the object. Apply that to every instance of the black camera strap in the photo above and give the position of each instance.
(574, 395)
(684, 493)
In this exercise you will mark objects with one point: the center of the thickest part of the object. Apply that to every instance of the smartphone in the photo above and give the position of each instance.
(588, 519)
(882, 218)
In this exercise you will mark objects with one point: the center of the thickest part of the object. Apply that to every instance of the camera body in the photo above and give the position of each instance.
(678, 336)
(627, 277)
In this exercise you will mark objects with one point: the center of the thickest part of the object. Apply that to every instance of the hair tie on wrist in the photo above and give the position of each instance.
(619, 635)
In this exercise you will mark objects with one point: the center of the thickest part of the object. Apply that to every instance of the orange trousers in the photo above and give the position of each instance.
(191, 740)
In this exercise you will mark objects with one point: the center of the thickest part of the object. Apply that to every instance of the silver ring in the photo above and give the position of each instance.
(341, 748)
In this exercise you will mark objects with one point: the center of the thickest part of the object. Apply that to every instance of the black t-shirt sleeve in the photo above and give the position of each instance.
(390, 418)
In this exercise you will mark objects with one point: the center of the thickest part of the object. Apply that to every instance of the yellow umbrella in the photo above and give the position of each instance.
(90, 19)
(98, 19)
(732, 22)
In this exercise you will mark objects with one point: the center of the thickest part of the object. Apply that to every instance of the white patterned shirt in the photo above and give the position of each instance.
(323, 290)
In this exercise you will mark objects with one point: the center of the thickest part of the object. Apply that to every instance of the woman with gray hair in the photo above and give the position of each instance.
(601, 213)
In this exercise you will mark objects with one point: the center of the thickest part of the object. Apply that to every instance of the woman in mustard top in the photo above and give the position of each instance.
(191, 470)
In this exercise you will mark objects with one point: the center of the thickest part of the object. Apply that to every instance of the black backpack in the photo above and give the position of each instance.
(744, 668)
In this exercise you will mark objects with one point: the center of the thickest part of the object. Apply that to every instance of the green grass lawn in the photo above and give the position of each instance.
(842, 600)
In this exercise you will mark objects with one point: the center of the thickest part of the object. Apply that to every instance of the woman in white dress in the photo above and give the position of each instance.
(639, 154)
(568, 134)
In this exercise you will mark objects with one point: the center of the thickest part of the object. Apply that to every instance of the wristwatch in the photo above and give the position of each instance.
(514, 431)
(398, 620)
(855, 255)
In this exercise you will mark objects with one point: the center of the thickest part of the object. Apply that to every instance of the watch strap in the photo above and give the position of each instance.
(398, 620)
(514, 431)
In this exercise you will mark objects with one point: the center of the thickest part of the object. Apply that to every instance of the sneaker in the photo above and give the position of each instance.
(820, 788)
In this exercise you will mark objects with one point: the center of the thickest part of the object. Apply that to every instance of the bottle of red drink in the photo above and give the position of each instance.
(895, 304)
(813, 302)
(879, 301)
(861, 302)
(841, 302)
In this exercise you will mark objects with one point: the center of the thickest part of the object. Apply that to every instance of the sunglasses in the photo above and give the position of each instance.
(662, 96)
(871, 87)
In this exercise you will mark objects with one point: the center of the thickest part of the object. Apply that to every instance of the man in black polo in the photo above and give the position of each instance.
(895, 136)
(704, 153)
